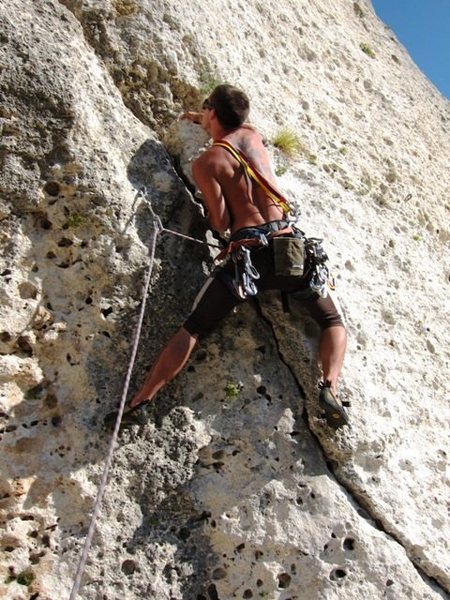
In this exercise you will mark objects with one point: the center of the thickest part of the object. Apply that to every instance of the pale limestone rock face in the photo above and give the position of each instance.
(230, 485)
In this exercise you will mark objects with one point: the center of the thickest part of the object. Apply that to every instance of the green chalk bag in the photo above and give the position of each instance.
(289, 256)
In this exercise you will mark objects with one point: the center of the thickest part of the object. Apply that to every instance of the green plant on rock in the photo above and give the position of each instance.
(367, 50)
(279, 171)
(232, 390)
(74, 220)
(288, 142)
(25, 578)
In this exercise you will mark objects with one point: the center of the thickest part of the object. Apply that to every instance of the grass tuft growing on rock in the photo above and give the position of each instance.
(288, 142)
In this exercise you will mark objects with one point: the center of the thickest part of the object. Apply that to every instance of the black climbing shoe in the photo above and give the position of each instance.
(332, 410)
(130, 416)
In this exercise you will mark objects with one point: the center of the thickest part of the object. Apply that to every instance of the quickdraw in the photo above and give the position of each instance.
(245, 274)
(316, 266)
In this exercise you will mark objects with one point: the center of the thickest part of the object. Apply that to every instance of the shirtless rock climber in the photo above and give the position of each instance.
(245, 209)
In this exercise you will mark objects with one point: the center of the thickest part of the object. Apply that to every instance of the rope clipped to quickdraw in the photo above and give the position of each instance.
(163, 229)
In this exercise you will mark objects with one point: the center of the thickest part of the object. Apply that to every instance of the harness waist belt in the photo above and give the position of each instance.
(251, 237)
(265, 228)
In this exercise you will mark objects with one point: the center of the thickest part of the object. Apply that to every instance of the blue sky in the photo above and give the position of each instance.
(423, 27)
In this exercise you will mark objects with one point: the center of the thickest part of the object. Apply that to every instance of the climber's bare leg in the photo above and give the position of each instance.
(332, 347)
(169, 363)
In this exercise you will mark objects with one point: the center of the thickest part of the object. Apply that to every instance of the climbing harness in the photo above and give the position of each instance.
(315, 268)
(245, 273)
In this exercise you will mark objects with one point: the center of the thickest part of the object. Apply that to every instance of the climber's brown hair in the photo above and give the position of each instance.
(231, 105)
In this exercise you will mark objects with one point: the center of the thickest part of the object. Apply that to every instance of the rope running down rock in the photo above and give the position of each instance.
(157, 230)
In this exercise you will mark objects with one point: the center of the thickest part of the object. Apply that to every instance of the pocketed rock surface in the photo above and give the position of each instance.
(230, 485)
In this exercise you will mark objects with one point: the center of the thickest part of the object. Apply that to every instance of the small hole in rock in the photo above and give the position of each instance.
(219, 573)
(337, 574)
(46, 224)
(25, 346)
(65, 242)
(184, 533)
(128, 567)
(52, 188)
(284, 580)
(349, 544)
(51, 401)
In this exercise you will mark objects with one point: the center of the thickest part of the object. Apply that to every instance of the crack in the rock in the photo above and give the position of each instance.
(365, 509)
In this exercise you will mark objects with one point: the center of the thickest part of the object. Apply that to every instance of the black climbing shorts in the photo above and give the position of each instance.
(216, 298)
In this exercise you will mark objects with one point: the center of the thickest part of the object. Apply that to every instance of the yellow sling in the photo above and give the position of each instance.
(253, 172)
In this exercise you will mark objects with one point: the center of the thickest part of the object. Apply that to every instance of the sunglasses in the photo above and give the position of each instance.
(207, 105)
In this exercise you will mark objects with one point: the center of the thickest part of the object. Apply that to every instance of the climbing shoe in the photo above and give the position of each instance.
(131, 416)
(332, 410)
